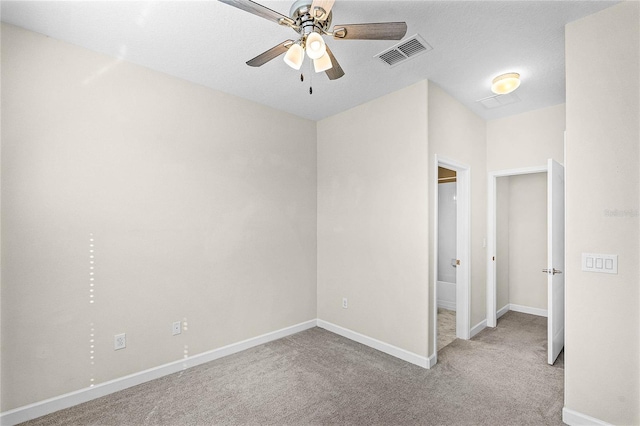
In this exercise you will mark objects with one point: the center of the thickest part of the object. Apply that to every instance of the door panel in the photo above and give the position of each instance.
(555, 259)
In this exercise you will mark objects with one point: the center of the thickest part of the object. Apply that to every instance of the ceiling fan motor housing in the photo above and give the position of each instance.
(305, 22)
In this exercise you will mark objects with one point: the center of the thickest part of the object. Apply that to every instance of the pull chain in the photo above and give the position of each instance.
(310, 78)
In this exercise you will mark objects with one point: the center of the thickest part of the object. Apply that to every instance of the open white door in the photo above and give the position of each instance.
(555, 259)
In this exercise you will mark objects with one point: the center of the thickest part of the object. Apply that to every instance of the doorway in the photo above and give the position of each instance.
(551, 264)
(452, 226)
(521, 244)
(447, 256)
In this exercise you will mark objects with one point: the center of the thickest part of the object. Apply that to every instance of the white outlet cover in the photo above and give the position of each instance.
(120, 341)
(176, 328)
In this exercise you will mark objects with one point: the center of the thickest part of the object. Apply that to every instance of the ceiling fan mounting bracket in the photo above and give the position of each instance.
(307, 20)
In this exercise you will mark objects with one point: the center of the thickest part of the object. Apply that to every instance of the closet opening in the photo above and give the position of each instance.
(447, 256)
(450, 282)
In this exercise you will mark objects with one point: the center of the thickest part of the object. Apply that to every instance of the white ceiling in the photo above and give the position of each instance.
(208, 43)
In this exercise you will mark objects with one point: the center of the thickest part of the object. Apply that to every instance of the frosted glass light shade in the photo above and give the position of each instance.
(315, 46)
(505, 83)
(294, 56)
(323, 63)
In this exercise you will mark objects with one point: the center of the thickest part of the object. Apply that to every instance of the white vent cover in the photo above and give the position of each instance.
(405, 50)
(497, 101)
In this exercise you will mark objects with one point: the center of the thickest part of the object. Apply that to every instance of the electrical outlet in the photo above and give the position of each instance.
(345, 303)
(176, 328)
(120, 341)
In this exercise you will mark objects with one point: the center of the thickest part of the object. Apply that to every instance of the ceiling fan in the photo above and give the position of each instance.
(311, 19)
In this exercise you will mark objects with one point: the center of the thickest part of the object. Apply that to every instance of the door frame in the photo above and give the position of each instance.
(463, 248)
(492, 315)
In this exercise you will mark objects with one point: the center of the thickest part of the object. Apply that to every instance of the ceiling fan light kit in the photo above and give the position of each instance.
(311, 20)
(294, 56)
(315, 46)
(505, 83)
(323, 63)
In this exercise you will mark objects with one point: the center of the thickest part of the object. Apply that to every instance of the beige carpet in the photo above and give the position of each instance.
(446, 327)
(315, 377)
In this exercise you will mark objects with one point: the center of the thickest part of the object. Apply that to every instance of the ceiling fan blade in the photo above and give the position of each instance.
(321, 8)
(373, 31)
(260, 10)
(335, 72)
(270, 54)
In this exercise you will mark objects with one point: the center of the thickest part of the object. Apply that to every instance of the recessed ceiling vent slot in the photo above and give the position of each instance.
(497, 101)
(405, 50)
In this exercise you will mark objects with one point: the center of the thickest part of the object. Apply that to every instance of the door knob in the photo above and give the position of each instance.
(552, 271)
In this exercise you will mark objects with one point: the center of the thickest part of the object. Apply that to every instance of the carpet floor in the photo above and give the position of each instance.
(500, 377)
(446, 327)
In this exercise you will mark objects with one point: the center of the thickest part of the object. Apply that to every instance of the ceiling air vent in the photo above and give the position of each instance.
(403, 51)
(497, 101)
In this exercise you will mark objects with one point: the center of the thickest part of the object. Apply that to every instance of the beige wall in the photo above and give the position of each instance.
(520, 141)
(458, 134)
(528, 240)
(526, 140)
(198, 208)
(372, 219)
(521, 235)
(602, 352)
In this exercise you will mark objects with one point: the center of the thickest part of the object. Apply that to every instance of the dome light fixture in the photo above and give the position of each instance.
(505, 83)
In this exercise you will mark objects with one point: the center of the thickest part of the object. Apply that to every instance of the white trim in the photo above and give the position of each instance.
(434, 303)
(48, 406)
(432, 360)
(492, 300)
(503, 310)
(491, 234)
(478, 327)
(444, 304)
(520, 308)
(463, 247)
(528, 310)
(377, 344)
(519, 171)
(574, 418)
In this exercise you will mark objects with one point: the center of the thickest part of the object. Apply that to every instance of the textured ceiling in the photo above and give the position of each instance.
(208, 43)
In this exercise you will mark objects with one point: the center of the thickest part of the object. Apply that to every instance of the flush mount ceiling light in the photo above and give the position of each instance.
(505, 83)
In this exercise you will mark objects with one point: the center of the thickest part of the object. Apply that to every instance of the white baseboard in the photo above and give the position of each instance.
(444, 304)
(377, 344)
(502, 311)
(32, 411)
(432, 360)
(478, 328)
(574, 418)
(528, 310)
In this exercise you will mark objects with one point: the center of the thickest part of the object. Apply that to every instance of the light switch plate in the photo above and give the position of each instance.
(603, 263)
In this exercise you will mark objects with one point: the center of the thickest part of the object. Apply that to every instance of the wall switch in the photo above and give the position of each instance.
(603, 263)
(176, 328)
(345, 304)
(120, 341)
